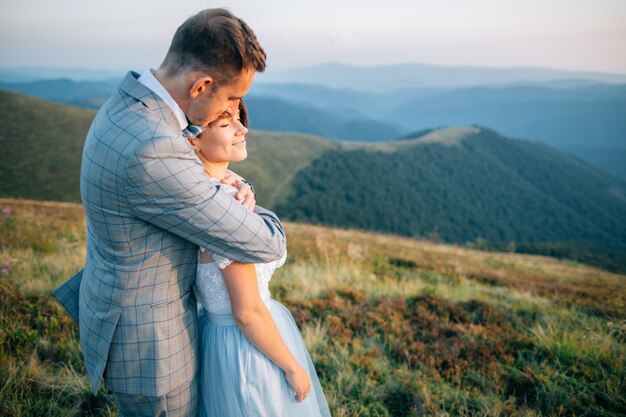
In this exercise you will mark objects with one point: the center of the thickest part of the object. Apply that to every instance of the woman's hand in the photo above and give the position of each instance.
(300, 382)
(245, 195)
(256, 323)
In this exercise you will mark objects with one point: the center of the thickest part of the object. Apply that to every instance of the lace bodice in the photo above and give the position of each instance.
(210, 288)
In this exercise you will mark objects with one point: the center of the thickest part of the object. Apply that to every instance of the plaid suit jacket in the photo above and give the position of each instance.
(149, 207)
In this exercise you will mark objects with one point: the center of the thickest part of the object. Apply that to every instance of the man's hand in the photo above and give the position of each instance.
(245, 195)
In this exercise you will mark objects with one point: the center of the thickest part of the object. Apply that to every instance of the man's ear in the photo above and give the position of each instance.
(201, 86)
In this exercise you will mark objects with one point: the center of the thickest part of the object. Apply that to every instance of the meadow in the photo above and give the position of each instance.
(396, 326)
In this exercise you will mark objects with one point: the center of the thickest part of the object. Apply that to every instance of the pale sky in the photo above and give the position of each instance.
(135, 34)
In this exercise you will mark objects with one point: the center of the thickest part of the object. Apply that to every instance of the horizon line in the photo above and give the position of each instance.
(343, 64)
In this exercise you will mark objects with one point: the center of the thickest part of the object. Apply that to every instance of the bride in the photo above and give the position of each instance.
(254, 361)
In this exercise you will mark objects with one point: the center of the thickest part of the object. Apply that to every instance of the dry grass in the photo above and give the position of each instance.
(397, 327)
(336, 250)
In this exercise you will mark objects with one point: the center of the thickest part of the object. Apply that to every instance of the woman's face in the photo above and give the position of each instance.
(224, 140)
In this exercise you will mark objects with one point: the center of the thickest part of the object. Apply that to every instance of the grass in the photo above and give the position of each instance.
(396, 327)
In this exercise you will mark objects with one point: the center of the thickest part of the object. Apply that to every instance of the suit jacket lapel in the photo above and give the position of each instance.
(133, 88)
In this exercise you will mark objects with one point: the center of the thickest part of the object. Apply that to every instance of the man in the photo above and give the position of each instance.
(149, 207)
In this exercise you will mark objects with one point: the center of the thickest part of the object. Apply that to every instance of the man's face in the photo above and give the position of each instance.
(212, 103)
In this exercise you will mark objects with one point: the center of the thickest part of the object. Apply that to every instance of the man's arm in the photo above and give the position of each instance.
(166, 186)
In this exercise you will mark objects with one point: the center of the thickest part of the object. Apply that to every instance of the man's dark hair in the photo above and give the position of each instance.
(217, 42)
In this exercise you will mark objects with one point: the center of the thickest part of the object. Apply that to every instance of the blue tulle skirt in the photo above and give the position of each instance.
(238, 380)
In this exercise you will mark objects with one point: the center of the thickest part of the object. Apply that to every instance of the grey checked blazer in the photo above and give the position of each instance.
(149, 207)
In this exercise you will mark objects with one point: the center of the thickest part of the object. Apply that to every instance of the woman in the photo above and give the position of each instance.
(254, 362)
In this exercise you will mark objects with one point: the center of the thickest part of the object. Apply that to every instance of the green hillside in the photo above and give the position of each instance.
(42, 144)
(396, 327)
(456, 185)
(464, 185)
(274, 158)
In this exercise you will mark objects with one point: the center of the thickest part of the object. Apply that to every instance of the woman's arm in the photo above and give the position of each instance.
(257, 324)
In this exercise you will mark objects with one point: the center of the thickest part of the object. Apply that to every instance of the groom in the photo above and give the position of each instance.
(149, 207)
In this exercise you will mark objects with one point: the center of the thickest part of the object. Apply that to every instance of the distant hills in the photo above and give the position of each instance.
(387, 78)
(269, 113)
(462, 184)
(90, 94)
(382, 78)
(594, 114)
(276, 114)
(27, 74)
(586, 120)
(581, 113)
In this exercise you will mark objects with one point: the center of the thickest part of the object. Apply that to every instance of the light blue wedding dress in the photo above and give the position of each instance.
(237, 379)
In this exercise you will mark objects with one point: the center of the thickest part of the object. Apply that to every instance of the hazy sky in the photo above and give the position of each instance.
(135, 34)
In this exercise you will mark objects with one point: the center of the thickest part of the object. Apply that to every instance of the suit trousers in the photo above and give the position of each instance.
(181, 402)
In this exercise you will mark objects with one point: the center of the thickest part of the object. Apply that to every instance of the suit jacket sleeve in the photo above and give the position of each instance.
(166, 186)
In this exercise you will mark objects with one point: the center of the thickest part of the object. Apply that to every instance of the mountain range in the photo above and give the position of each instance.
(580, 113)
(90, 94)
(276, 114)
(459, 184)
(387, 78)
(27, 74)
(588, 120)
(381, 78)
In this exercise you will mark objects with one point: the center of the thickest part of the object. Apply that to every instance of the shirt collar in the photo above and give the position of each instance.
(150, 81)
